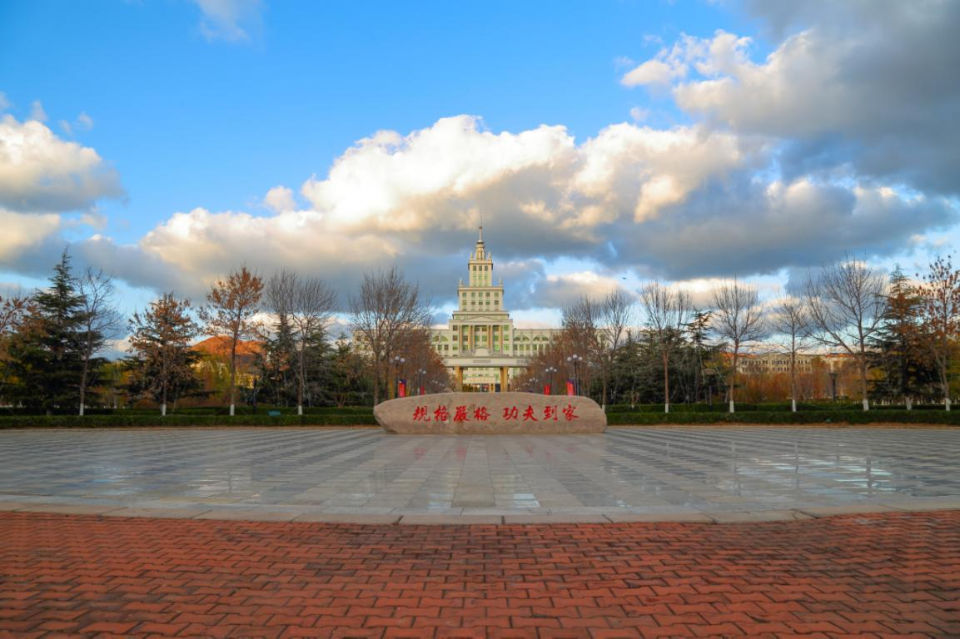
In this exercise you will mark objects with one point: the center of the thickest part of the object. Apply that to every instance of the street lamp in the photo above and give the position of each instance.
(420, 373)
(398, 362)
(549, 371)
(575, 360)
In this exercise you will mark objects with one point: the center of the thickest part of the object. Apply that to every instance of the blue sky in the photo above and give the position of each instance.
(604, 143)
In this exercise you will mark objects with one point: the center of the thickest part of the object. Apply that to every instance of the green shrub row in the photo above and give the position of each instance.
(208, 411)
(138, 420)
(779, 407)
(778, 417)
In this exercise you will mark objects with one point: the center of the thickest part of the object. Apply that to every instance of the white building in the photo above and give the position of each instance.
(480, 346)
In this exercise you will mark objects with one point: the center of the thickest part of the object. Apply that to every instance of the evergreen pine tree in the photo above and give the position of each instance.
(898, 346)
(46, 355)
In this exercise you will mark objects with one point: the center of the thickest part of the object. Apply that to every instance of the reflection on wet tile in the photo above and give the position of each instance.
(638, 470)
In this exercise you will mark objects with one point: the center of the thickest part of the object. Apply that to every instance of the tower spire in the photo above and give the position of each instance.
(480, 237)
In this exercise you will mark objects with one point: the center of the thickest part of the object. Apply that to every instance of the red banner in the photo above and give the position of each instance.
(546, 389)
(570, 387)
(401, 388)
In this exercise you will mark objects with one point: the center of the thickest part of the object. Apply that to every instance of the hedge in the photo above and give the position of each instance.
(778, 407)
(139, 419)
(776, 417)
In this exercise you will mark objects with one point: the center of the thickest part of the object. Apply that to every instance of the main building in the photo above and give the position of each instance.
(480, 345)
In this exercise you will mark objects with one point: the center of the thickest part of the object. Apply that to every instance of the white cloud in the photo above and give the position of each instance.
(229, 20)
(4, 102)
(36, 112)
(24, 233)
(279, 199)
(39, 172)
(84, 121)
(864, 86)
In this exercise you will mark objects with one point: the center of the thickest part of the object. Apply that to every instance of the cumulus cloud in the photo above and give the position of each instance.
(40, 173)
(680, 203)
(866, 85)
(229, 20)
(279, 199)
(37, 112)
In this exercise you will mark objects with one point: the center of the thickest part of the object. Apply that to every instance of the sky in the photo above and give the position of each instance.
(602, 144)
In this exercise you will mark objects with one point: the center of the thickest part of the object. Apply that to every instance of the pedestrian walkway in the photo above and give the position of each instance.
(878, 575)
(363, 475)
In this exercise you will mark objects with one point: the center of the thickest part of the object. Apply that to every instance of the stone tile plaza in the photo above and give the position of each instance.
(364, 475)
(652, 532)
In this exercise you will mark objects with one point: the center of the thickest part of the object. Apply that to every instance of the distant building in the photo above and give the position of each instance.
(480, 346)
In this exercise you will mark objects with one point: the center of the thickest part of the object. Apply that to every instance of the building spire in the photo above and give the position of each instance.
(480, 237)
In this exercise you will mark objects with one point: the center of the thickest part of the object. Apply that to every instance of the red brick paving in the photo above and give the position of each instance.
(862, 575)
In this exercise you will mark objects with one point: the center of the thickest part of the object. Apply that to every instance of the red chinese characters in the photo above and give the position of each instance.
(570, 412)
(441, 414)
(528, 415)
(481, 414)
(550, 412)
(460, 414)
(510, 413)
(420, 414)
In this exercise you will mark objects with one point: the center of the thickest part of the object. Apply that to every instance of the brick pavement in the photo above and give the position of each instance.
(889, 574)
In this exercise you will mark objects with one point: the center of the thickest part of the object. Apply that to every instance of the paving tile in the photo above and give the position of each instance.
(688, 517)
(248, 515)
(348, 518)
(756, 516)
(847, 509)
(555, 518)
(884, 574)
(431, 520)
(158, 513)
(69, 509)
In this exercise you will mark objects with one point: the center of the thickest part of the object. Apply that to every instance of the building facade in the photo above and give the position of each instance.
(480, 346)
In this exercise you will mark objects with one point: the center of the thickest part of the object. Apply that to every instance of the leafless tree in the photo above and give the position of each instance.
(101, 321)
(940, 295)
(738, 318)
(667, 317)
(231, 306)
(791, 319)
(385, 309)
(615, 314)
(580, 342)
(846, 303)
(307, 305)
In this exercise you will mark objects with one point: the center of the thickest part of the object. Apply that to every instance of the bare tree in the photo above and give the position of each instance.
(161, 337)
(101, 321)
(846, 302)
(615, 315)
(940, 295)
(738, 318)
(580, 341)
(231, 305)
(667, 318)
(791, 319)
(307, 305)
(386, 308)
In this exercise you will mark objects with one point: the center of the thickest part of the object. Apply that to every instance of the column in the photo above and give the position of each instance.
(503, 379)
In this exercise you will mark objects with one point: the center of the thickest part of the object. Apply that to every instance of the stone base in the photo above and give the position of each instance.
(490, 413)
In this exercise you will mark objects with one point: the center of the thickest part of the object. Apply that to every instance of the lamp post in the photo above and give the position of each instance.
(575, 361)
(549, 371)
(398, 362)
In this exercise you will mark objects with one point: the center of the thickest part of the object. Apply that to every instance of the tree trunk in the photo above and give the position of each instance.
(863, 381)
(233, 376)
(733, 380)
(793, 380)
(83, 382)
(666, 381)
(300, 381)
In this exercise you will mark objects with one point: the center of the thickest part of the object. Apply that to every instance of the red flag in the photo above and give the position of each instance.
(546, 389)
(401, 388)
(570, 387)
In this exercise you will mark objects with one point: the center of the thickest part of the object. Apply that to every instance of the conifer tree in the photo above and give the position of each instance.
(45, 357)
(161, 341)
